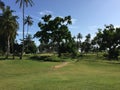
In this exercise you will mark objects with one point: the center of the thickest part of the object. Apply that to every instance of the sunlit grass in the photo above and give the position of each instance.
(90, 73)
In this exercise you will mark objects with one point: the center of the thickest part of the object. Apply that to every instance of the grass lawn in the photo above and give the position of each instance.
(82, 75)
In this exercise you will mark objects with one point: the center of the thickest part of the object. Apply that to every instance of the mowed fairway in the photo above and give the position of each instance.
(82, 75)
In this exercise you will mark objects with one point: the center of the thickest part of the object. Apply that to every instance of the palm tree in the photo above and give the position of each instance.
(22, 5)
(29, 22)
(79, 37)
(9, 26)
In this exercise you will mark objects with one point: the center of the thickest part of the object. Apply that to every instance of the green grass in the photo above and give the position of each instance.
(87, 74)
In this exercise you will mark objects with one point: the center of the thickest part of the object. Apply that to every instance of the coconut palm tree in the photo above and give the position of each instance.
(29, 22)
(22, 5)
(9, 26)
(79, 37)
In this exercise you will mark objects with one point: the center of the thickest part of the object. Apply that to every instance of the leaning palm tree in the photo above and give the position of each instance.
(22, 5)
(9, 26)
(29, 22)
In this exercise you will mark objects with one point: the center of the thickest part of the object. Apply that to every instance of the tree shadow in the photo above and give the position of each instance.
(114, 63)
(10, 58)
(2, 59)
(46, 59)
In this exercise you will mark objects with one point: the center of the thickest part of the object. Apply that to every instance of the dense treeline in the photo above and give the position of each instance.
(108, 40)
(8, 32)
(54, 36)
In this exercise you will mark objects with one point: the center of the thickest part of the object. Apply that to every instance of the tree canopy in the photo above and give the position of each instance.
(109, 39)
(9, 26)
(54, 30)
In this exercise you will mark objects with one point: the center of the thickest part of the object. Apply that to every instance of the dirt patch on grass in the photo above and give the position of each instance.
(60, 65)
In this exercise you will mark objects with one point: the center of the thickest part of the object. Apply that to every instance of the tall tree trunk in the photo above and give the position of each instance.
(27, 29)
(97, 52)
(59, 52)
(77, 45)
(113, 53)
(23, 30)
(8, 47)
(110, 55)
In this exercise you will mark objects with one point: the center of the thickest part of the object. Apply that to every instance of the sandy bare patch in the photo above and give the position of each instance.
(61, 65)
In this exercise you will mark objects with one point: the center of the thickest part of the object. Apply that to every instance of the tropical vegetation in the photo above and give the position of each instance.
(61, 61)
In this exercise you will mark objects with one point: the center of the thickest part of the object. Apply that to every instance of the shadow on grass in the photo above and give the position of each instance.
(9, 58)
(47, 58)
(1, 58)
(114, 62)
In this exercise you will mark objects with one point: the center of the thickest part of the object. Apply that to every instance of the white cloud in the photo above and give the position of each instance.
(46, 12)
(74, 20)
(117, 26)
(35, 17)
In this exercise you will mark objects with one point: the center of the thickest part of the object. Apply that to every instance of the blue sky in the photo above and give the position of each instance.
(87, 15)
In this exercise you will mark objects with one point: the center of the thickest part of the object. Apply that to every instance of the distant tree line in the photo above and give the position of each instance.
(54, 36)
